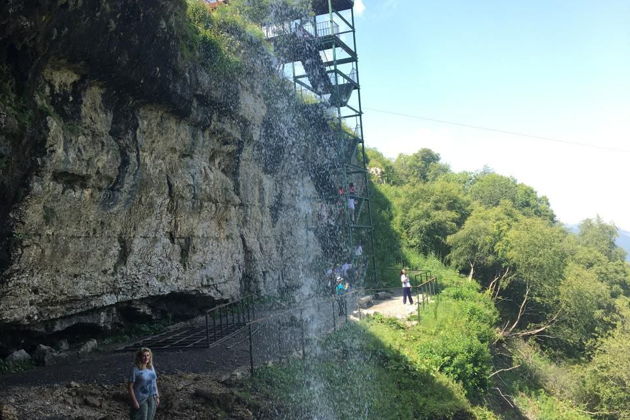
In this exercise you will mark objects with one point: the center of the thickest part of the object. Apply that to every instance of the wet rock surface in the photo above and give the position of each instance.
(136, 183)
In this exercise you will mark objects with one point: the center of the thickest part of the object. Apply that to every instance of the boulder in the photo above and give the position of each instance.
(382, 295)
(18, 356)
(44, 355)
(366, 301)
(93, 401)
(89, 346)
(63, 345)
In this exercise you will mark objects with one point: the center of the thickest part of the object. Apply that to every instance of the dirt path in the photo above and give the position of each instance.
(393, 307)
(271, 339)
(220, 361)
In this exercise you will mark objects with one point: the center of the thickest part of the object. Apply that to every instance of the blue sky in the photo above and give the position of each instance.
(555, 69)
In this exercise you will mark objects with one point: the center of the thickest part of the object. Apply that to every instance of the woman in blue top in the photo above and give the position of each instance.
(142, 387)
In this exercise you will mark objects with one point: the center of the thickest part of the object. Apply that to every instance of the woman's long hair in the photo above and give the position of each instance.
(138, 359)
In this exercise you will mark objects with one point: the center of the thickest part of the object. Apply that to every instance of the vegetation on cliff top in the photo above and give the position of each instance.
(226, 39)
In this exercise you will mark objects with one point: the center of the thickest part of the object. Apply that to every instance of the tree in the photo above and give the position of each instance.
(489, 189)
(380, 167)
(536, 250)
(429, 213)
(388, 249)
(615, 274)
(474, 247)
(607, 377)
(422, 166)
(601, 236)
(586, 307)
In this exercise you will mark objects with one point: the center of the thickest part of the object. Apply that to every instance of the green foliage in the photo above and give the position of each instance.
(607, 377)
(537, 371)
(388, 250)
(15, 367)
(477, 244)
(601, 236)
(445, 275)
(225, 38)
(536, 249)
(422, 166)
(541, 405)
(262, 12)
(482, 413)
(586, 305)
(361, 373)
(490, 189)
(503, 234)
(429, 213)
(205, 42)
(539, 388)
(455, 339)
(381, 168)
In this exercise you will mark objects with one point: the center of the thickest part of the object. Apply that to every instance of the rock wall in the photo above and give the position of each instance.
(131, 174)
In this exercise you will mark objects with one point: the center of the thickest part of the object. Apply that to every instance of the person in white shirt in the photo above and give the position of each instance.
(406, 286)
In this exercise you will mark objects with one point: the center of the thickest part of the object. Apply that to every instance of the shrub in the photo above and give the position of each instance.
(456, 338)
(607, 376)
(540, 405)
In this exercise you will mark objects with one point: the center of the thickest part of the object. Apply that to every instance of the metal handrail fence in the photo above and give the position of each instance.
(425, 291)
(229, 318)
(349, 299)
(226, 320)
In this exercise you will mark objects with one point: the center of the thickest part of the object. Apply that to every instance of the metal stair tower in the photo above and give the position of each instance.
(319, 54)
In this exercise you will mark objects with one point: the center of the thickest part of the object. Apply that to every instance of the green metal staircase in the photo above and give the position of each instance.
(318, 53)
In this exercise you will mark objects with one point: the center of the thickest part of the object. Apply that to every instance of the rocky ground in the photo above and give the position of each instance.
(184, 396)
(195, 384)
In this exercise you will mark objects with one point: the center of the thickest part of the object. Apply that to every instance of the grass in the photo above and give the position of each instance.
(389, 369)
(359, 373)
(540, 388)
(541, 405)
(206, 43)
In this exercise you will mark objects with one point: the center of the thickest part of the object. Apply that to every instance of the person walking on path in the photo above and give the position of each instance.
(406, 286)
(142, 387)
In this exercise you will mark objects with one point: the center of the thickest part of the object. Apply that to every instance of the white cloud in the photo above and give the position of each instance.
(359, 7)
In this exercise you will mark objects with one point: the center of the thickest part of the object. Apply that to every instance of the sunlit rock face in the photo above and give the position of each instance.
(130, 174)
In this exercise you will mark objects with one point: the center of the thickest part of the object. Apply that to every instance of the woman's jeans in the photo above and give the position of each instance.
(407, 294)
(146, 410)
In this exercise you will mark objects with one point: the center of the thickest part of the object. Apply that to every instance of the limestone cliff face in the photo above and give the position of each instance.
(131, 173)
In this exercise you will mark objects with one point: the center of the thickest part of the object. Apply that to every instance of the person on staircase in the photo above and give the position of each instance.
(340, 291)
(352, 200)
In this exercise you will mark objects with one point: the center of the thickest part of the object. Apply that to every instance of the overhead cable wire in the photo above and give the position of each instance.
(497, 130)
